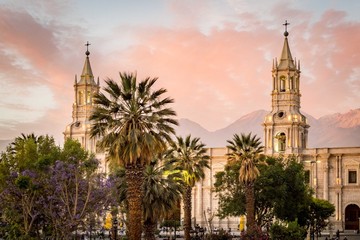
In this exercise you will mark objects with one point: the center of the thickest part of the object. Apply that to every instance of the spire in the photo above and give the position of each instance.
(87, 76)
(286, 60)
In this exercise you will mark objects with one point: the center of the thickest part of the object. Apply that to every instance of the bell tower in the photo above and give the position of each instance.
(83, 105)
(285, 128)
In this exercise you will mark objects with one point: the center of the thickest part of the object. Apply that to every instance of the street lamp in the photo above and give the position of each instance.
(202, 232)
(114, 225)
(199, 232)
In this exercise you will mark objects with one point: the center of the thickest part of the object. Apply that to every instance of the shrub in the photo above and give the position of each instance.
(289, 231)
(221, 235)
(256, 234)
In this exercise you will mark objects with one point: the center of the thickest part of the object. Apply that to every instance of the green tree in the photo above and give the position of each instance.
(23, 169)
(48, 191)
(78, 192)
(229, 191)
(320, 211)
(287, 231)
(162, 191)
(189, 156)
(134, 124)
(246, 149)
(280, 191)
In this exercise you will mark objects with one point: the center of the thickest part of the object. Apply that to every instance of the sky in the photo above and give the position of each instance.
(213, 56)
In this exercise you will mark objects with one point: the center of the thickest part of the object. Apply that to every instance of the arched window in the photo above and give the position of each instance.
(281, 141)
(282, 83)
(81, 98)
(88, 97)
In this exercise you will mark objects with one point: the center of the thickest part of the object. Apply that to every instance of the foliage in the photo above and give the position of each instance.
(134, 124)
(320, 211)
(133, 121)
(162, 191)
(283, 192)
(252, 234)
(289, 231)
(23, 166)
(221, 235)
(280, 185)
(38, 173)
(230, 192)
(246, 149)
(188, 155)
(170, 223)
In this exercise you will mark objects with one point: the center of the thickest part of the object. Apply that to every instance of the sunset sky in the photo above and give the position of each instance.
(213, 56)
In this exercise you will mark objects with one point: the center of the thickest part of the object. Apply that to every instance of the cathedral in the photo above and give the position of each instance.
(79, 129)
(333, 173)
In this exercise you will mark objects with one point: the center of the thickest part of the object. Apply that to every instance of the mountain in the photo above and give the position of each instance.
(350, 119)
(334, 130)
(338, 130)
(248, 123)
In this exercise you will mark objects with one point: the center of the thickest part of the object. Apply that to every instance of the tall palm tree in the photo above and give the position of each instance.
(189, 156)
(134, 123)
(162, 191)
(247, 149)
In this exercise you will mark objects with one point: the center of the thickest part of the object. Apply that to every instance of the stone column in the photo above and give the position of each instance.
(326, 177)
(315, 174)
(194, 206)
(199, 202)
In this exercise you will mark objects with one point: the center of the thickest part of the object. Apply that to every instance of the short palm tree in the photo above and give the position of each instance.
(247, 149)
(189, 156)
(133, 123)
(162, 191)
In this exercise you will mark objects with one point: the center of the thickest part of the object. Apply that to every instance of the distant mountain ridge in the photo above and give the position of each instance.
(334, 130)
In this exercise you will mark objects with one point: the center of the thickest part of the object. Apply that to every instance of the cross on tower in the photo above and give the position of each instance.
(286, 24)
(87, 48)
(87, 45)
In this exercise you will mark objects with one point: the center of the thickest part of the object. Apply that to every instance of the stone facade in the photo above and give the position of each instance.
(79, 128)
(333, 173)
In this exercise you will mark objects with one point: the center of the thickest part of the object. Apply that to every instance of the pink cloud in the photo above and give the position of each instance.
(330, 57)
(215, 77)
(30, 57)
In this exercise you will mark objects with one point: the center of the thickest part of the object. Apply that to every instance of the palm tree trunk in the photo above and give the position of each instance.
(149, 229)
(134, 177)
(187, 212)
(250, 207)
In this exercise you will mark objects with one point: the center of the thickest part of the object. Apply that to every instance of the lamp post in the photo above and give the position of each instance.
(114, 225)
(210, 218)
(201, 231)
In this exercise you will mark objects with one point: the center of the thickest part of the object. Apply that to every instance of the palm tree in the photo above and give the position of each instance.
(134, 124)
(189, 156)
(162, 191)
(246, 149)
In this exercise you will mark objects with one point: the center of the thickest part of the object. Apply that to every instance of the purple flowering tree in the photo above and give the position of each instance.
(54, 194)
